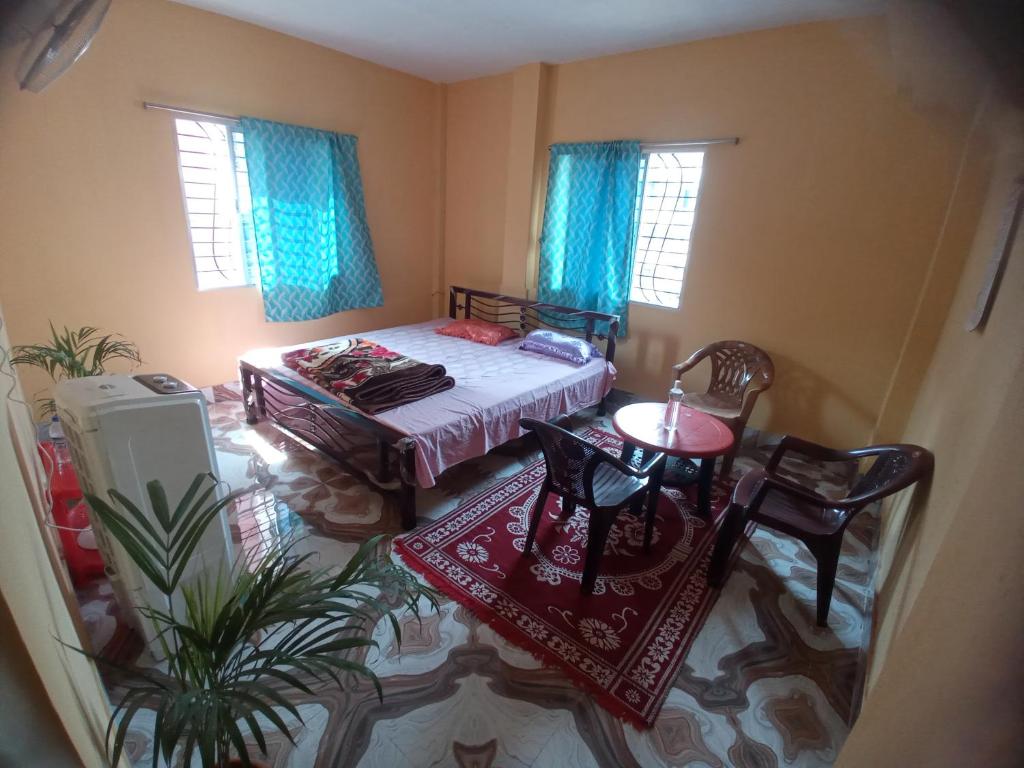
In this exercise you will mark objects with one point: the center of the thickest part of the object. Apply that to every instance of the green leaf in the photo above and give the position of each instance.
(236, 738)
(257, 732)
(190, 494)
(135, 699)
(137, 549)
(72, 354)
(358, 560)
(268, 693)
(267, 710)
(189, 534)
(158, 501)
(308, 623)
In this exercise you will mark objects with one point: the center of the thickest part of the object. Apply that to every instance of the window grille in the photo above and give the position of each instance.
(215, 185)
(667, 207)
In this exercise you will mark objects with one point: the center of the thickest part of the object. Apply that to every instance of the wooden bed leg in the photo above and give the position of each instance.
(407, 505)
(248, 402)
(407, 476)
(261, 405)
(384, 461)
(602, 406)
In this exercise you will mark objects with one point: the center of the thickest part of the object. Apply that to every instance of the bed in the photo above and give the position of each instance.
(397, 450)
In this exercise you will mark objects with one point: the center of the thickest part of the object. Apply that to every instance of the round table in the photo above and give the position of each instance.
(697, 436)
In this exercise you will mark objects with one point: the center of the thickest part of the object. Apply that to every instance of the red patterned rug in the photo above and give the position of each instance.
(626, 641)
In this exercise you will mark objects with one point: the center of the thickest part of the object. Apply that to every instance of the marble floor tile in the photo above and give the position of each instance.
(761, 686)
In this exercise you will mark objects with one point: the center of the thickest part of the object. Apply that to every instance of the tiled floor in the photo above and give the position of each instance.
(762, 685)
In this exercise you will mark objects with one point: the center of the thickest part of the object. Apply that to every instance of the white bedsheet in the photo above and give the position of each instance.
(494, 388)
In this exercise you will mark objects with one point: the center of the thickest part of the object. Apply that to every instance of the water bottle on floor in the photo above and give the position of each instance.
(60, 444)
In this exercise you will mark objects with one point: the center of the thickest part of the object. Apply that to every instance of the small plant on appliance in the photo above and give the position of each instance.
(73, 354)
(244, 638)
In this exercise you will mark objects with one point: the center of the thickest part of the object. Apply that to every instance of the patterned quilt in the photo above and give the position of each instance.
(368, 376)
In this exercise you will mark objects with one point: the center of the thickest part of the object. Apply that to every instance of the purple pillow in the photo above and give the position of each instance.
(561, 346)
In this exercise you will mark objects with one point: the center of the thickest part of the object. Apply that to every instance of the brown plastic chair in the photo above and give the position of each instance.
(739, 373)
(585, 475)
(764, 496)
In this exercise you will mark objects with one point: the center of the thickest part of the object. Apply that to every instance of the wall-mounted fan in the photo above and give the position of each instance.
(59, 32)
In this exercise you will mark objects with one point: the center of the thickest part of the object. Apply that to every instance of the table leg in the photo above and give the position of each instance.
(628, 449)
(654, 494)
(705, 479)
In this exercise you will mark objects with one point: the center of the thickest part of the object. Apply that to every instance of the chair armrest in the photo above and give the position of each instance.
(750, 395)
(690, 362)
(650, 465)
(563, 421)
(795, 489)
(805, 448)
(644, 470)
(868, 497)
(603, 457)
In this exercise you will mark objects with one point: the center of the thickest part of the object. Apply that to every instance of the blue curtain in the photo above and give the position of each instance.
(589, 231)
(313, 243)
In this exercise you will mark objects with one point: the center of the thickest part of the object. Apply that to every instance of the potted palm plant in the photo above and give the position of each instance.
(72, 354)
(238, 643)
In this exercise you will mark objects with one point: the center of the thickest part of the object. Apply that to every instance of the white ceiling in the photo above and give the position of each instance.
(449, 40)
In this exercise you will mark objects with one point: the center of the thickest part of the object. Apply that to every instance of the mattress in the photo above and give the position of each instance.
(494, 388)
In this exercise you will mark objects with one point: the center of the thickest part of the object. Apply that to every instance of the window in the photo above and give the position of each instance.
(667, 205)
(215, 184)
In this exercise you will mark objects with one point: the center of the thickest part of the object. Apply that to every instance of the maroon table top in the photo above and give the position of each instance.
(697, 435)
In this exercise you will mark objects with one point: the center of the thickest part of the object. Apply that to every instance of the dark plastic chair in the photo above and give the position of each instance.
(585, 475)
(739, 373)
(764, 496)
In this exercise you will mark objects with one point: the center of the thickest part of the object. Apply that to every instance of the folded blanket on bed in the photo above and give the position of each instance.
(368, 376)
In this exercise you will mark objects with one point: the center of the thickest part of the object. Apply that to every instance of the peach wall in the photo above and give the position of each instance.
(813, 235)
(961, 399)
(948, 644)
(92, 228)
(479, 113)
(529, 89)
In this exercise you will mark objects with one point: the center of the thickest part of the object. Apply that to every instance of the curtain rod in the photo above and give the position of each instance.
(190, 112)
(645, 146)
(669, 146)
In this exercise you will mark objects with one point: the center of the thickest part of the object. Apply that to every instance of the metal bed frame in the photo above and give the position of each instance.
(381, 456)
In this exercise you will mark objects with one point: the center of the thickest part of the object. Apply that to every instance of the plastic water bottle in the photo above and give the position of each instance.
(59, 442)
(675, 401)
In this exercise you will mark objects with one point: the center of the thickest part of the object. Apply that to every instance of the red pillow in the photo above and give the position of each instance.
(478, 330)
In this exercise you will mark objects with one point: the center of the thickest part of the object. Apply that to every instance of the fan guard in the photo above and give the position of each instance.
(60, 43)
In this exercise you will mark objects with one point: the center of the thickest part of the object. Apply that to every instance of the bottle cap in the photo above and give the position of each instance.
(677, 384)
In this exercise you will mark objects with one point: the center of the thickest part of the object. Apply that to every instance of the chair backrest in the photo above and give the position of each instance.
(895, 468)
(735, 365)
(567, 456)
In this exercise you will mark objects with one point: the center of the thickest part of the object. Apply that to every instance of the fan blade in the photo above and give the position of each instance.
(54, 49)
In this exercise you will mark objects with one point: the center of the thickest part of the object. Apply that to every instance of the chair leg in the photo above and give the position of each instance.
(731, 530)
(597, 534)
(654, 494)
(538, 510)
(568, 509)
(726, 470)
(652, 508)
(727, 459)
(828, 562)
(705, 484)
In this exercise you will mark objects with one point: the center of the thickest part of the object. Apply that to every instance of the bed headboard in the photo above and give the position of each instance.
(525, 315)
